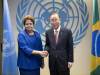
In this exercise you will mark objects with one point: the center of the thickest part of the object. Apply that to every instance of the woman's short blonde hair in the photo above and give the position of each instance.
(28, 17)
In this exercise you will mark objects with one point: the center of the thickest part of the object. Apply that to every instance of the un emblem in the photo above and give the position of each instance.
(8, 44)
(73, 14)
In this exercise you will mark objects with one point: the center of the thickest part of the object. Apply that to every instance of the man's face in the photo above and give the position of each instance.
(55, 20)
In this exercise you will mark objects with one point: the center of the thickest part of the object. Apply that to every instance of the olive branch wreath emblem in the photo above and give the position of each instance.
(23, 9)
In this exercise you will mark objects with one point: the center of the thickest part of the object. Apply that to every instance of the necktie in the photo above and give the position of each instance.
(56, 36)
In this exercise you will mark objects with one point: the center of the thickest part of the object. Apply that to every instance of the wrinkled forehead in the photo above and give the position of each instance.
(54, 16)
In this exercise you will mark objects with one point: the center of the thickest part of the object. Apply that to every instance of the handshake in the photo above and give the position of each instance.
(44, 53)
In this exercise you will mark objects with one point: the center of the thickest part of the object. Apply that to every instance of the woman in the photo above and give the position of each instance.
(29, 49)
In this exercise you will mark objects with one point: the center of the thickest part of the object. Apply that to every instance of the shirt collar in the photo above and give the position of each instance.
(58, 29)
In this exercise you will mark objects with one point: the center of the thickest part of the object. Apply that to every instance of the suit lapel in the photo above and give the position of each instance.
(52, 37)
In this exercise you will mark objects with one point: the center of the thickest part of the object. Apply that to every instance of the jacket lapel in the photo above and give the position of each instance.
(52, 37)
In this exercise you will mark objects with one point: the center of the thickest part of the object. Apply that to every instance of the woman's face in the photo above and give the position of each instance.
(29, 25)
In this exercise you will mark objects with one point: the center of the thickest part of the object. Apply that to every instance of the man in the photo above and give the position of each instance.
(59, 44)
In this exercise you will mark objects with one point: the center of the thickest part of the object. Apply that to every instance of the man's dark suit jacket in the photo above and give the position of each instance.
(63, 50)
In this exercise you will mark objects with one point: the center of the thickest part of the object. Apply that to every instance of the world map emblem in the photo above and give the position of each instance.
(73, 14)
